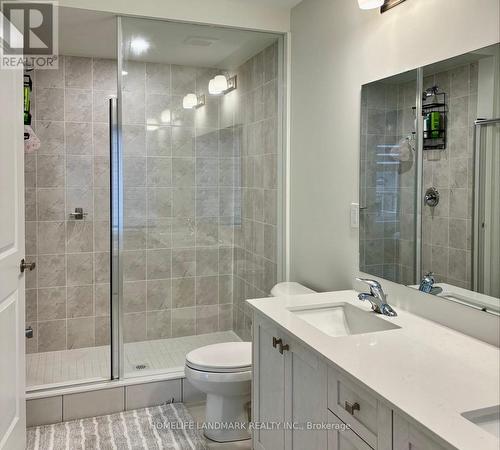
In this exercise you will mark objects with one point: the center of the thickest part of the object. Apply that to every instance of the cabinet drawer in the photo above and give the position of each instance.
(342, 438)
(359, 409)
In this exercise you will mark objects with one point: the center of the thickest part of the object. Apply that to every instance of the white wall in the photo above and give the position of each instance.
(336, 47)
(235, 13)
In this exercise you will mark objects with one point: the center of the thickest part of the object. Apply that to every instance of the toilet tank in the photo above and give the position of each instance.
(290, 288)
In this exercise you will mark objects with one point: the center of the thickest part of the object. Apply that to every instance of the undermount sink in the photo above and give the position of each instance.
(488, 419)
(342, 319)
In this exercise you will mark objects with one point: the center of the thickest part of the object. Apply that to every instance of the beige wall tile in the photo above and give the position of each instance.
(44, 411)
(51, 335)
(151, 394)
(93, 403)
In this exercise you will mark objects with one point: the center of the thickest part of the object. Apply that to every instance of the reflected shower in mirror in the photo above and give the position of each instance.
(430, 179)
(388, 176)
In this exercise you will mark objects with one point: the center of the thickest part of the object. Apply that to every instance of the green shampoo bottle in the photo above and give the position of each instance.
(435, 124)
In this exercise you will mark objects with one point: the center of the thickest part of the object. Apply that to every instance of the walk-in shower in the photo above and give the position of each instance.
(150, 217)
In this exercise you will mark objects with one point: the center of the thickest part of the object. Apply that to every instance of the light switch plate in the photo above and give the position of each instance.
(354, 215)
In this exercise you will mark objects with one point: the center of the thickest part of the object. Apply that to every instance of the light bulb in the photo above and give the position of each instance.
(189, 101)
(370, 4)
(217, 85)
(139, 45)
(220, 83)
(211, 87)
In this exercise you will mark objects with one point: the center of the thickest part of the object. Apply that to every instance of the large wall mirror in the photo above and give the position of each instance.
(430, 179)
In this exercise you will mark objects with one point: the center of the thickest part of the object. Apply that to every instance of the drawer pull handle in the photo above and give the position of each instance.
(284, 348)
(276, 342)
(351, 407)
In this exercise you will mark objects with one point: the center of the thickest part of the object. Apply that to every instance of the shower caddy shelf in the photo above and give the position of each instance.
(440, 106)
(436, 143)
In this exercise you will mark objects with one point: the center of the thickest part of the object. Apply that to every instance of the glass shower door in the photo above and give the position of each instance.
(486, 243)
(198, 228)
(388, 178)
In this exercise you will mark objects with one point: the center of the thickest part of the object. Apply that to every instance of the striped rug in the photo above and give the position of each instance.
(161, 427)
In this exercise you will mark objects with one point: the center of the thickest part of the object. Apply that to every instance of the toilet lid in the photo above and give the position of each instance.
(224, 357)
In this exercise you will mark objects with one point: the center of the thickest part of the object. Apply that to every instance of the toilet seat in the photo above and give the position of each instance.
(217, 377)
(226, 357)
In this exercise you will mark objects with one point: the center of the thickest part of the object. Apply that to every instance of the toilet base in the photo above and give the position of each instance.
(227, 418)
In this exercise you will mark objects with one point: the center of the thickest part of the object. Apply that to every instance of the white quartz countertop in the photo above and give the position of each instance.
(429, 372)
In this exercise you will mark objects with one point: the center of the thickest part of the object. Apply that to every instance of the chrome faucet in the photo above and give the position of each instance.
(427, 285)
(377, 298)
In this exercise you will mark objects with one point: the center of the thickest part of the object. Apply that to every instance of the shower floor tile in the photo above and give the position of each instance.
(66, 367)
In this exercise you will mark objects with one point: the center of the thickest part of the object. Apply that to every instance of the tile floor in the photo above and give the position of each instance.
(67, 367)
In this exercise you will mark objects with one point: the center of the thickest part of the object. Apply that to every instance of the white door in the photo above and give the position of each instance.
(12, 334)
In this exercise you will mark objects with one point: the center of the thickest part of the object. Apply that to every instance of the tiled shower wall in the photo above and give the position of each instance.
(387, 186)
(67, 296)
(447, 228)
(255, 270)
(181, 177)
(185, 173)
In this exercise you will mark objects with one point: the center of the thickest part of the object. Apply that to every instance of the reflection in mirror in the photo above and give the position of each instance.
(388, 178)
(466, 91)
(445, 181)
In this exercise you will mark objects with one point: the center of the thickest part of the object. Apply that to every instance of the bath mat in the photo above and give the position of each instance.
(162, 427)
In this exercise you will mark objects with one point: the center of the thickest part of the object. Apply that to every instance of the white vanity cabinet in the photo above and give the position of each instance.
(289, 391)
(408, 437)
(268, 391)
(343, 439)
(293, 386)
(367, 416)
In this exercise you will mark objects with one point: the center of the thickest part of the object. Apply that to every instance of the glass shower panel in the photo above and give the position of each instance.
(388, 178)
(67, 223)
(200, 186)
(486, 245)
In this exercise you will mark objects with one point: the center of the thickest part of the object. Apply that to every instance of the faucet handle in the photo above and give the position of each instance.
(372, 283)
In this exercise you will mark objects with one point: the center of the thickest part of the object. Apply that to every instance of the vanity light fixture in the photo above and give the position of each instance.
(389, 4)
(222, 85)
(193, 101)
(370, 4)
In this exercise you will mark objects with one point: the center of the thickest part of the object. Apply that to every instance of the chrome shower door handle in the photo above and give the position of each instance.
(78, 214)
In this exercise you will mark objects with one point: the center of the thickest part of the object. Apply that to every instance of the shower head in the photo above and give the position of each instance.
(429, 92)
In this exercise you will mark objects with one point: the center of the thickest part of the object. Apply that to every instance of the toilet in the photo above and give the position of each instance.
(224, 372)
